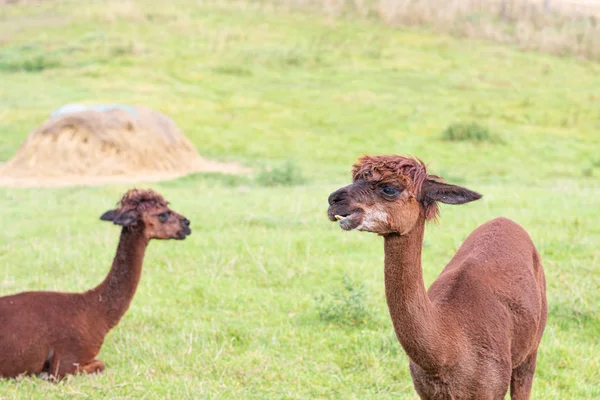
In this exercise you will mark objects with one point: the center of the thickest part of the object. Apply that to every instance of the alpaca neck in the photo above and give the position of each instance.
(113, 296)
(416, 320)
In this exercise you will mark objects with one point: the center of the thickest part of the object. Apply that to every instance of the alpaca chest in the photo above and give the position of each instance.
(462, 384)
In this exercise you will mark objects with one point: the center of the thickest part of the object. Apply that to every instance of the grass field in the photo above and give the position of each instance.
(267, 298)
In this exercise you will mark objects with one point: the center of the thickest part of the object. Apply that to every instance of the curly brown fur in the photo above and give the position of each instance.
(141, 200)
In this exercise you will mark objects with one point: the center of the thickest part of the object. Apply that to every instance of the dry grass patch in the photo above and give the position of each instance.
(88, 146)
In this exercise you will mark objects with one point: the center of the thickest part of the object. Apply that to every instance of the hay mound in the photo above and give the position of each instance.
(105, 144)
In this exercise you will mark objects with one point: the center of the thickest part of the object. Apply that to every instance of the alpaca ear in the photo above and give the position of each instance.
(109, 215)
(120, 218)
(449, 194)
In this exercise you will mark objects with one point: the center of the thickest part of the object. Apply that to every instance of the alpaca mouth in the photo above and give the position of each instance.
(349, 221)
(184, 233)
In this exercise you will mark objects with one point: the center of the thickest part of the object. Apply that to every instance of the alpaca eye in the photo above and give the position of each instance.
(163, 217)
(390, 191)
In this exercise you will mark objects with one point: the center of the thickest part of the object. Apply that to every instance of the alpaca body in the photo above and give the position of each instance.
(56, 339)
(490, 302)
(475, 333)
(60, 333)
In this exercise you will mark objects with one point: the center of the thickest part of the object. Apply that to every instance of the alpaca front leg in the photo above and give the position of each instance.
(68, 365)
(62, 366)
(522, 379)
(96, 366)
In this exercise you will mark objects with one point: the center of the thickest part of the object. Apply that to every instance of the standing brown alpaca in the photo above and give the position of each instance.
(477, 330)
(60, 333)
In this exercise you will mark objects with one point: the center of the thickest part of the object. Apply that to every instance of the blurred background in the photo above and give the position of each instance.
(246, 115)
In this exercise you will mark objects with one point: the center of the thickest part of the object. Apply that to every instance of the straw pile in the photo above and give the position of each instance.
(82, 145)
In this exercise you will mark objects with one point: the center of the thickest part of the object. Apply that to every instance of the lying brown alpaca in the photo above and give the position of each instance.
(61, 333)
(477, 330)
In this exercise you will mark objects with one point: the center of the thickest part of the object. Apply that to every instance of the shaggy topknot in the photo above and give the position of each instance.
(411, 171)
(141, 200)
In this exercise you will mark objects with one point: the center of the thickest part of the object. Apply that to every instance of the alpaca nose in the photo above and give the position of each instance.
(186, 222)
(337, 196)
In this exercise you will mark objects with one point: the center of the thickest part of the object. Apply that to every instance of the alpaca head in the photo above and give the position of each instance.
(389, 194)
(147, 211)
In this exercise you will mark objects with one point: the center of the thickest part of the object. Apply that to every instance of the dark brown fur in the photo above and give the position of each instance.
(476, 332)
(61, 333)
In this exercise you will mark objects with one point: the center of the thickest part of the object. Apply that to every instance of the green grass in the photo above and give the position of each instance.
(470, 132)
(231, 312)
